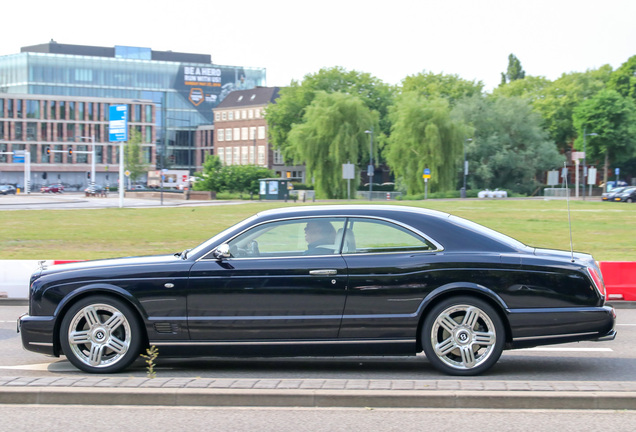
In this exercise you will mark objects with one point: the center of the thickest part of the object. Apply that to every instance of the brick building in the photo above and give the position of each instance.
(241, 136)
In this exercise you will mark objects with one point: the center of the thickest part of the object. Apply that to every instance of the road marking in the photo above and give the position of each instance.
(568, 349)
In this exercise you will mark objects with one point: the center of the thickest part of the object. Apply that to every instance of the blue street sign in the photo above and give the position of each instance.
(427, 171)
(18, 158)
(118, 123)
(617, 171)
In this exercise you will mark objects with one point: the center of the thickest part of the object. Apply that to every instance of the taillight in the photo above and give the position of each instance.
(598, 280)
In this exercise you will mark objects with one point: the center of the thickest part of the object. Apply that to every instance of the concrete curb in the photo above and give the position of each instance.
(320, 398)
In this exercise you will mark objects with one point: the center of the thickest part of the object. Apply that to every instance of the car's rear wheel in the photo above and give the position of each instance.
(463, 336)
(101, 334)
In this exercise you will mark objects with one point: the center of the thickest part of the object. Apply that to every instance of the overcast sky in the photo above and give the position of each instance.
(389, 39)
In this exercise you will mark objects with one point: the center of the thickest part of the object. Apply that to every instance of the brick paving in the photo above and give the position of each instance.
(322, 384)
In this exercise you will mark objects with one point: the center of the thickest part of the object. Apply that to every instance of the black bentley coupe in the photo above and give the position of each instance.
(326, 281)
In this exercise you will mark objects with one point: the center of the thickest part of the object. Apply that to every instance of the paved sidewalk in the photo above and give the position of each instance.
(463, 393)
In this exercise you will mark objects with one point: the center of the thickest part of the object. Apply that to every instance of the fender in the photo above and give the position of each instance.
(98, 288)
(461, 288)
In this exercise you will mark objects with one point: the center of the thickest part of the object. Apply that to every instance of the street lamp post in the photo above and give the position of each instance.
(584, 160)
(465, 168)
(370, 171)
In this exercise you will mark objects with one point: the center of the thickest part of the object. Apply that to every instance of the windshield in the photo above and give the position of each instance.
(205, 246)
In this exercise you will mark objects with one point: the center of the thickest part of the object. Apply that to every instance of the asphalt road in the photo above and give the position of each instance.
(83, 418)
(613, 361)
(77, 200)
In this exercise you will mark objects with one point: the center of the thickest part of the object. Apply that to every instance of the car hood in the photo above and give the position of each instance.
(105, 263)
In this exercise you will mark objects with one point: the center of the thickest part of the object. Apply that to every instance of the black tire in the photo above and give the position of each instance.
(101, 334)
(463, 336)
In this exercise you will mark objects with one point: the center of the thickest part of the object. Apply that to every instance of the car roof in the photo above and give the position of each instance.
(351, 209)
(453, 232)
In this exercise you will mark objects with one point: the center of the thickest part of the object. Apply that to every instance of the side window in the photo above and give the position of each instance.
(376, 236)
(297, 237)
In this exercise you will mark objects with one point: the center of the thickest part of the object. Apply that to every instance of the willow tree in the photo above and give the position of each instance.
(332, 133)
(423, 135)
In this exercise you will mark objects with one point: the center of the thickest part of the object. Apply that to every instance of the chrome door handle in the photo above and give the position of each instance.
(323, 272)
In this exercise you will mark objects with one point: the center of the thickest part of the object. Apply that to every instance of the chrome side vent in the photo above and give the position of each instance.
(164, 327)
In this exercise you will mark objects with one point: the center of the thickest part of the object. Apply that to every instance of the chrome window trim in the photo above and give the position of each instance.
(439, 248)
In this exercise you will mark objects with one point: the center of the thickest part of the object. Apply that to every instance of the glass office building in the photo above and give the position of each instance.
(183, 87)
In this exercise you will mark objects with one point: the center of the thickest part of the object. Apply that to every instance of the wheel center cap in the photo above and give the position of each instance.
(463, 336)
(99, 335)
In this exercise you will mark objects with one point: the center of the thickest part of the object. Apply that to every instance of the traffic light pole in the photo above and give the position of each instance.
(92, 153)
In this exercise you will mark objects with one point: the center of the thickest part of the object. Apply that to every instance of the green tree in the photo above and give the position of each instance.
(424, 136)
(450, 87)
(613, 118)
(133, 156)
(531, 88)
(623, 79)
(289, 109)
(231, 178)
(557, 101)
(244, 178)
(514, 71)
(332, 133)
(209, 179)
(510, 149)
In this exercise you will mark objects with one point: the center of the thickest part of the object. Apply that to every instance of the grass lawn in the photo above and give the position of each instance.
(606, 230)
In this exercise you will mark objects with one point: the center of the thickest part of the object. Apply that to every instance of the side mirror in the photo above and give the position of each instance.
(222, 252)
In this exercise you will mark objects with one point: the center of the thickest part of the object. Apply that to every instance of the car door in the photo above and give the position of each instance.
(388, 267)
(269, 287)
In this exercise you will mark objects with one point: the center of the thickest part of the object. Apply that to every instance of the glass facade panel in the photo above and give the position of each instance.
(32, 131)
(57, 157)
(62, 107)
(33, 109)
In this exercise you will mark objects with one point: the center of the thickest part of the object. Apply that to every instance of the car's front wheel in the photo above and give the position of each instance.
(463, 336)
(101, 334)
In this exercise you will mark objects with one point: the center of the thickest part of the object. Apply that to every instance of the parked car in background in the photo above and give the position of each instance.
(58, 188)
(626, 195)
(609, 196)
(7, 190)
(97, 190)
(323, 281)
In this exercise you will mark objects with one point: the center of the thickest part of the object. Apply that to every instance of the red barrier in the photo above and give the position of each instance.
(620, 279)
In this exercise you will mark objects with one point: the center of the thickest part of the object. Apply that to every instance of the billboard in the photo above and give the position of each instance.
(205, 86)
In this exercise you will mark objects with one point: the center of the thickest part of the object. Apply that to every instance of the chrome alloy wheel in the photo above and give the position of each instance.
(99, 335)
(463, 337)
